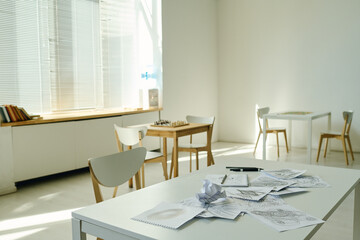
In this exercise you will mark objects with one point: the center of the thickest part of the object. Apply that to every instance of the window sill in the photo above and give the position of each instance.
(80, 115)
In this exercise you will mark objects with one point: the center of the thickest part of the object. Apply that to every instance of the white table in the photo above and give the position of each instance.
(309, 117)
(111, 219)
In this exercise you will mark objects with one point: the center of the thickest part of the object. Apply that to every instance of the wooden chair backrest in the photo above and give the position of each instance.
(116, 169)
(198, 119)
(347, 115)
(260, 113)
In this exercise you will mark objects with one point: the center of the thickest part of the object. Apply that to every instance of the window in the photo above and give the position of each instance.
(79, 54)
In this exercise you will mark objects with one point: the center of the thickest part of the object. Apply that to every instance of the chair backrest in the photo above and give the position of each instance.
(116, 169)
(260, 113)
(197, 119)
(348, 115)
(129, 136)
(205, 120)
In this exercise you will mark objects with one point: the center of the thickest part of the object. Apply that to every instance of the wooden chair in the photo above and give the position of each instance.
(260, 113)
(132, 136)
(114, 170)
(344, 134)
(195, 147)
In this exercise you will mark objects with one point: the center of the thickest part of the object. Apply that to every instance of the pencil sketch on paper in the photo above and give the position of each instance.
(284, 217)
(264, 203)
(265, 181)
(288, 191)
(249, 193)
(308, 182)
(284, 173)
(222, 208)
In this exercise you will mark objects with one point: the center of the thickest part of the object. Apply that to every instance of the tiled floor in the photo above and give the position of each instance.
(41, 209)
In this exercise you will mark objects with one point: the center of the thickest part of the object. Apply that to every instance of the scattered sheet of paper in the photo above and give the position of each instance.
(288, 191)
(284, 174)
(231, 180)
(284, 217)
(266, 202)
(265, 181)
(222, 208)
(169, 215)
(308, 182)
(210, 192)
(249, 193)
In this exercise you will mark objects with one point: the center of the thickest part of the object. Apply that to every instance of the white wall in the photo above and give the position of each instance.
(289, 55)
(190, 59)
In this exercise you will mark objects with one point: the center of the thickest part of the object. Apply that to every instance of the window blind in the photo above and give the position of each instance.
(58, 55)
(20, 53)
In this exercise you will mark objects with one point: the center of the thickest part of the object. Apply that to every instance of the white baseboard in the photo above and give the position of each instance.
(7, 190)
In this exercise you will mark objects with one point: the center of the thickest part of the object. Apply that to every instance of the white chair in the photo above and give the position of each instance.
(114, 170)
(132, 136)
(260, 113)
(196, 147)
(344, 134)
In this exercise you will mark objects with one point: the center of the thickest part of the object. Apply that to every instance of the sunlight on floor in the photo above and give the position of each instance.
(34, 220)
(19, 235)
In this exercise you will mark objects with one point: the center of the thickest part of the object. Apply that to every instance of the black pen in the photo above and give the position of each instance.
(244, 169)
(223, 180)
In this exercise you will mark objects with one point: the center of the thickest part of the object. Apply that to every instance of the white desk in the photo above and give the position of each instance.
(293, 116)
(112, 219)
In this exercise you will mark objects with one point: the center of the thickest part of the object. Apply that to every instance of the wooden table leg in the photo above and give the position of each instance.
(210, 159)
(176, 155)
(165, 151)
(309, 147)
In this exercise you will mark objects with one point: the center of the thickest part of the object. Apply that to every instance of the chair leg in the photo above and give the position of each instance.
(350, 148)
(163, 163)
(318, 153)
(115, 191)
(131, 185)
(172, 163)
(143, 175)
(345, 151)
(190, 162)
(277, 143)
(257, 141)
(137, 180)
(286, 144)
(326, 145)
(212, 159)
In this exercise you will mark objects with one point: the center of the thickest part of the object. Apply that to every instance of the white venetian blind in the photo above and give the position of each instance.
(119, 55)
(75, 55)
(22, 59)
(58, 55)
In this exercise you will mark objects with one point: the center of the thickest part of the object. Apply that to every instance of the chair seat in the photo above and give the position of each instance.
(333, 133)
(275, 129)
(192, 145)
(151, 155)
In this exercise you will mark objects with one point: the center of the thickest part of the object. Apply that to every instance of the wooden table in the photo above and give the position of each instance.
(111, 219)
(175, 133)
(304, 116)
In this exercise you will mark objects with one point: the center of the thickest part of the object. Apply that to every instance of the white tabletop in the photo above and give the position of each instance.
(115, 214)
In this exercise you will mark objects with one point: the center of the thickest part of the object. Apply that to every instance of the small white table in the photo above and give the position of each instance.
(304, 116)
(111, 219)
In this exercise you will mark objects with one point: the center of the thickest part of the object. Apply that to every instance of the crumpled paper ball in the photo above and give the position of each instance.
(210, 192)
